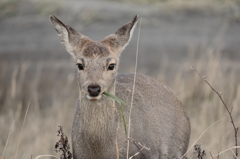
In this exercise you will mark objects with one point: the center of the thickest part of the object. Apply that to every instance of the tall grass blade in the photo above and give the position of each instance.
(5, 147)
(134, 81)
(22, 131)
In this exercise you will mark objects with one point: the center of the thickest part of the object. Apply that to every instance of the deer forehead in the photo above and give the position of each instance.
(94, 49)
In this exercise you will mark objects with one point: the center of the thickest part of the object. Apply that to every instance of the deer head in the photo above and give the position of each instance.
(96, 61)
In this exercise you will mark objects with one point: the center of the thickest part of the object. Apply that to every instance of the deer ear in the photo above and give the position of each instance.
(118, 41)
(70, 38)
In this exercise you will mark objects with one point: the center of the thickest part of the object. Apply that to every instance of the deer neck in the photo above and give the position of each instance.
(98, 118)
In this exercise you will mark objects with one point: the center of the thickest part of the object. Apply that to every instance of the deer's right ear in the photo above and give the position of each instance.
(70, 38)
(118, 41)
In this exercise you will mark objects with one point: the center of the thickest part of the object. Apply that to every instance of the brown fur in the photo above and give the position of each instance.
(96, 48)
(158, 118)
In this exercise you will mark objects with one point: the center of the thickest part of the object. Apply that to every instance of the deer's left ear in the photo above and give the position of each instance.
(118, 41)
(70, 38)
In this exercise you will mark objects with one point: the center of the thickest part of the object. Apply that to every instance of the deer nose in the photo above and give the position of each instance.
(94, 90)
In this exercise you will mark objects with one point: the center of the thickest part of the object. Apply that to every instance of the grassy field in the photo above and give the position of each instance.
(50, 89)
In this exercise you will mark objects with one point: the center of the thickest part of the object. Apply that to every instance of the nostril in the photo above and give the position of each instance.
(94, 90)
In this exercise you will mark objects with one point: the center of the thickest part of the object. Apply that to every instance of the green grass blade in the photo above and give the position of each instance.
(124, 120)
(120, 102)
(116, 98)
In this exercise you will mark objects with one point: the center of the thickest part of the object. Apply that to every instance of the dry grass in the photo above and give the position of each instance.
(204, 106)
(52, 94)
(51, 90)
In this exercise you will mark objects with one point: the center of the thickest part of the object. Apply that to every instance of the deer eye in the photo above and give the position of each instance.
(111, 66)
(80, 66)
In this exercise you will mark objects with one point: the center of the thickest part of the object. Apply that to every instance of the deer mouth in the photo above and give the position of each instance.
(94, 98)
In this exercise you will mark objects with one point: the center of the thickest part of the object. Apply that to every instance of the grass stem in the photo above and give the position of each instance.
(22, 130)
(134, 81)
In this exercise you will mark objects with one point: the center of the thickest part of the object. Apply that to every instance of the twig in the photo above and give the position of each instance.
(135, 73)
(138, 147)
(234, 147)
(233, 153)
(143, 146)
(22, 130)
(136, 153)
(140, 150)
(229, 111)
(211, 154)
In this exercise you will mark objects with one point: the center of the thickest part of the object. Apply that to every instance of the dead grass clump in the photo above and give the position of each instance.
(62, 145)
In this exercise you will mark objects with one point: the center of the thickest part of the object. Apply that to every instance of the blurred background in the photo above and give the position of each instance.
(175, 35)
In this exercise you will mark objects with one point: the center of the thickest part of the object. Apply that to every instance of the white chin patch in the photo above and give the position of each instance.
(94, 98)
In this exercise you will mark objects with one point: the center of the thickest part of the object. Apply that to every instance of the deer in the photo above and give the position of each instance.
(158, 119)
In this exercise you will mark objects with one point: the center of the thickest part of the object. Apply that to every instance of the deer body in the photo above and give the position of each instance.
(158, 119)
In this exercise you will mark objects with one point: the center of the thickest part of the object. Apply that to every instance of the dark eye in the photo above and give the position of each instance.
(80, 66)
(111, 66)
